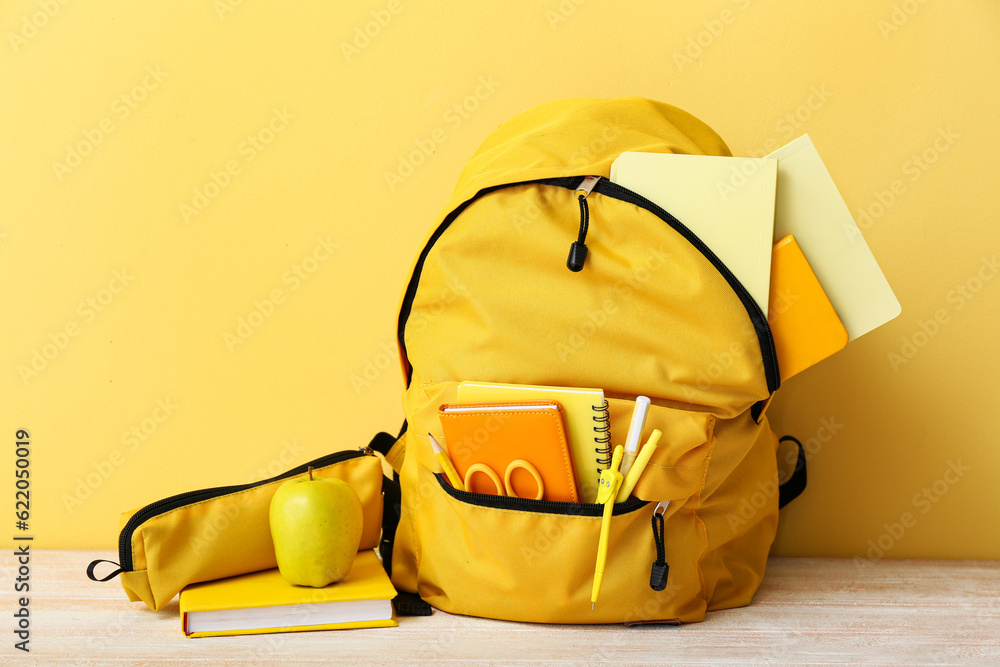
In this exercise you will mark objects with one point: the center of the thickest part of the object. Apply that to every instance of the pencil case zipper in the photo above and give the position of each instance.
(605, 187)
(190, 497)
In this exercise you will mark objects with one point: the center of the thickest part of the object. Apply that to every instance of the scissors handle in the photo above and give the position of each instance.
(532, 470)
(505, 488)
(486, 470)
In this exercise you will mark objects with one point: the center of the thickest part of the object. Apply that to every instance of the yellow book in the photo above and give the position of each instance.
(586, 415)
(264, 602)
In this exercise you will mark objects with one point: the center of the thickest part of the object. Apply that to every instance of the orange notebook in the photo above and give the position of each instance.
(805, 326)
(497, 433)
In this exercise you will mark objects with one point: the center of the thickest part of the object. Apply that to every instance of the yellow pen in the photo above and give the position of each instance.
(449, 469)
(607, 490)
(635, 471)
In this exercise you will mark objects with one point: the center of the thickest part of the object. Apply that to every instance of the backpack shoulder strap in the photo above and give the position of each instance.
(793, 487)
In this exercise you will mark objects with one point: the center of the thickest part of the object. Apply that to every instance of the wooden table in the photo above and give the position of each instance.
(807, 611)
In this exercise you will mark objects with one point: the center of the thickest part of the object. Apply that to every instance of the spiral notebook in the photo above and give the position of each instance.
(587, 423)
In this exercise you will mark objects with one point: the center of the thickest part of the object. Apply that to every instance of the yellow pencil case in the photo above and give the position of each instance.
(225, 531)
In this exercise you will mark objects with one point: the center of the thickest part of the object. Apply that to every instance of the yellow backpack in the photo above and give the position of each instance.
(641, 307)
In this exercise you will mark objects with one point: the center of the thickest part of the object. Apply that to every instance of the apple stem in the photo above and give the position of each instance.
(310, 473)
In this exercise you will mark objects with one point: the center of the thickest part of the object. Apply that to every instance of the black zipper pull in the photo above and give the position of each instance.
(578, 251)
(658, 576)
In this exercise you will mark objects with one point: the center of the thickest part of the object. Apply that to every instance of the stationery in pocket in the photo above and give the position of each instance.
(498, 435)
(586, 416)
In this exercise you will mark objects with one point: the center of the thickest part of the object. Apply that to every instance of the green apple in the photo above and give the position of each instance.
(316, 525)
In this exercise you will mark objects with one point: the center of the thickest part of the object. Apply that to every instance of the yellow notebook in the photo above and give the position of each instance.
(804, 324)
(264, 602)
(586, 415)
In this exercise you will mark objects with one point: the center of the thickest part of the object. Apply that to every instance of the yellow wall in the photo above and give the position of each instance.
(137, 300)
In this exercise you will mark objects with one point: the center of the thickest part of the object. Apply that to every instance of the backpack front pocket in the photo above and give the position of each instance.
(677, 470)
(533, 560)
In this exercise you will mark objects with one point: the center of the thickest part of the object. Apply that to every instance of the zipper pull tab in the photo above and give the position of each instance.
(578, 250)
(586, 186)
(658, 575)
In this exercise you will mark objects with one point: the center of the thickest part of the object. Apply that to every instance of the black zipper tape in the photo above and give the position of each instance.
(539, 506)
(605, 187)
(190, 497)
(411, 287)
(757, 316)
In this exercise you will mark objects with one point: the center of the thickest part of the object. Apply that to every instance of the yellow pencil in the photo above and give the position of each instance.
(607, 489)
(641, 461)
(449, 469)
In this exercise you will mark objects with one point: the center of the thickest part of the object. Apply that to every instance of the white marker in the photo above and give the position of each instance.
(635, 432)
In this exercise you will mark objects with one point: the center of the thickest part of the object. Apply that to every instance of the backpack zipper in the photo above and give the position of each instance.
(411, 287)
(578, 251)
(532, 505)
(189, 497)
(757, 316)
(603, 186)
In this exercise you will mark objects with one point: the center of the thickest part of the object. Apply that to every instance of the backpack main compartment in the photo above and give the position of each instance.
(652, 312)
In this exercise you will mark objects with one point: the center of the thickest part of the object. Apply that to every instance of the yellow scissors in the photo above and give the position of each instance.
(504, 488)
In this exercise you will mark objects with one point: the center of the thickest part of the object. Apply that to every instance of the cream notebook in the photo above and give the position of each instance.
(810, 207)
(728, 202)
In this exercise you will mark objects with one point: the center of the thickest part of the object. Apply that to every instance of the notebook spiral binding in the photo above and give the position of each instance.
(603, 438)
